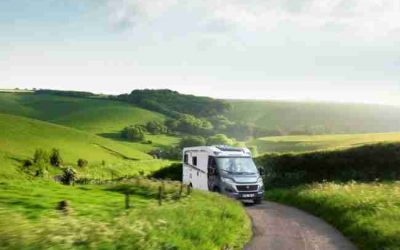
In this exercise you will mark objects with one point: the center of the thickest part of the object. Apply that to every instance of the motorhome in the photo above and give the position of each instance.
(227, 170)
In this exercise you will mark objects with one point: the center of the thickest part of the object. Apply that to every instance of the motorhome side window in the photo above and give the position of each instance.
(185, 159)
(194, 160)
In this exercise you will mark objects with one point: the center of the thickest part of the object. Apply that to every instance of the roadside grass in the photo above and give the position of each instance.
(368, 214)
(97, 218)
(308, 143)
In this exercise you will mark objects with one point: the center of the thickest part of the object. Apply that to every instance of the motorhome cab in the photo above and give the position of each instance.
(223, 169)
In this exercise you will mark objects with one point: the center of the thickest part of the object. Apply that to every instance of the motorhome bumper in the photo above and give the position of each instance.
(247, 195)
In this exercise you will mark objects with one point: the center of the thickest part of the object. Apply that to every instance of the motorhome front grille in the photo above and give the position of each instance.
(247, 188)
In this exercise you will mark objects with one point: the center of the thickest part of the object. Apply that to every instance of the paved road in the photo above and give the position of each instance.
(279, 227)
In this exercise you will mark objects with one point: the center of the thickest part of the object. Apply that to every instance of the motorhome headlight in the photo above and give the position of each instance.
(227, 181)
(260, 182)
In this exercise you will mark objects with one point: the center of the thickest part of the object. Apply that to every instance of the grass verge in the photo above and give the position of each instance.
(97, 218)
(368, 214)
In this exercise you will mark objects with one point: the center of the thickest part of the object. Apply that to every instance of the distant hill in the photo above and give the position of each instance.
(316, 118)
(309, 143)
(90, 114)
(172, 103)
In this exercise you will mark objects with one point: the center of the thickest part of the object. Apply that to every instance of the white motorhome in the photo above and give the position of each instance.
(228, 170)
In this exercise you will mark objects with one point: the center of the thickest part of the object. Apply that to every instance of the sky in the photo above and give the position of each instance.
(313, 50)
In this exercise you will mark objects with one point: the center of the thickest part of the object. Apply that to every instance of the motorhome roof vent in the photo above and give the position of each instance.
(228, 148)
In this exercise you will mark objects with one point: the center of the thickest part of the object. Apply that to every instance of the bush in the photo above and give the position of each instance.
(28, 163)
(155, 128)
(55, 158)
(172, 172)
(192, 141)
(40, 156)
(169, 152)
(82, 163)
(133, 133)
(366, 163)
(220, 139)
(69, 176)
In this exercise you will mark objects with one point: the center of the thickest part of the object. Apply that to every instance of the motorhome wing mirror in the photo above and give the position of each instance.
(261, 170)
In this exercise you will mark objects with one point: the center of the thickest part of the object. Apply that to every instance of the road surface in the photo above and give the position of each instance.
(279, 227)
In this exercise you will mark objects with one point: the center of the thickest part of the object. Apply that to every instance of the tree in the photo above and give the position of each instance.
(155, 128)
(192, 141)
(220, 139)
(55, 158)
(133, 133)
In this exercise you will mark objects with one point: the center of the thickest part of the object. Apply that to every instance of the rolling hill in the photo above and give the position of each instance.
(316, 118)
(20, 137)
(90, 114)
(307, 143)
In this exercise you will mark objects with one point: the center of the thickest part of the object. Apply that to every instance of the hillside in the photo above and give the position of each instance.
(19, 137)
(93, 115)
(306, 143)
(316, 118)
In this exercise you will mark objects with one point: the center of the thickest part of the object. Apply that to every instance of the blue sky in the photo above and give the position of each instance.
(336, 50)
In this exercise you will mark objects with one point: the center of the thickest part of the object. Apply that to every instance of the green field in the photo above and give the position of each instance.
(307, 143)
(97, 219)
(20, 137)
(97, 116)
(316, 118)
(368, 214)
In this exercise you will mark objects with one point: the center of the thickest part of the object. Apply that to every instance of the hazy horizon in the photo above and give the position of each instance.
(314, 50)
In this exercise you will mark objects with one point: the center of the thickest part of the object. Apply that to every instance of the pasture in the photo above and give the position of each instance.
(308, 143)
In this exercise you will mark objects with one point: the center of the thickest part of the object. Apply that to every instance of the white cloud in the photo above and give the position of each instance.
(365, 17)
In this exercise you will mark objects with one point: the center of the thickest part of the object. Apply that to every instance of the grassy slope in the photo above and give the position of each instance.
(92, 115)
(98, 220)
(336, 118)
(369, 214)
(283, 144)
(19, 137)
(96, 116)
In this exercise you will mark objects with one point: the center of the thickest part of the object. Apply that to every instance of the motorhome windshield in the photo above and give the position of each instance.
(236, 165)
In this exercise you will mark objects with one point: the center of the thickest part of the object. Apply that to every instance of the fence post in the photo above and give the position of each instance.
(159, 195)
(127, 205)
(188, 190)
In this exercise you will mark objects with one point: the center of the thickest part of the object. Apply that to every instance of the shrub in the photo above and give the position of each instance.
(28, 163)
(192, 141)
(133, 133)
(155, 127)
(55, 158)
(171, 172)
(40, 156)
(82, 163)
(69, 176)
(220, 139)
(366, 163)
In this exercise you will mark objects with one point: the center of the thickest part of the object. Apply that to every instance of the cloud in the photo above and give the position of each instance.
(366, 17)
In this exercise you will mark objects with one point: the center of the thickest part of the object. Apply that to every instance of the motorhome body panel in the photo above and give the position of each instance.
(198, 164)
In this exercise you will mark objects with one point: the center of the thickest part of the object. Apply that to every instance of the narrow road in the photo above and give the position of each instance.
(280, 227)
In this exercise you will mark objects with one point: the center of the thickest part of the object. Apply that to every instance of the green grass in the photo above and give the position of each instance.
(19, 137)
(98, 219)
(369, 214)
(318, 117)
(307, 143)
(97, 116)
(88, 128)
